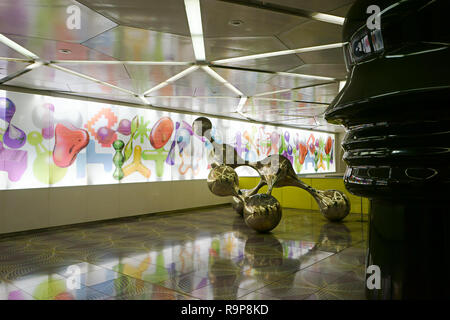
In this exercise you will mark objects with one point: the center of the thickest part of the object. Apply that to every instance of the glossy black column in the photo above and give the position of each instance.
(410, 242)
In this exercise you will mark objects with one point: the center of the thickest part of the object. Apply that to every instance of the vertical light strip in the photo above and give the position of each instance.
(304, 76)
(172, 79)
(194, 17)
(28, 68)
(143, 99)
(328, 18)
(219, 78)
(281, 53)
(17, 47)
(241, 104)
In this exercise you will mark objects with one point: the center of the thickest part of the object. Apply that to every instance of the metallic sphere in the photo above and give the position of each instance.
(238, 205)
(334, 204)
(223, 181)
(202, 126)
(262, 212)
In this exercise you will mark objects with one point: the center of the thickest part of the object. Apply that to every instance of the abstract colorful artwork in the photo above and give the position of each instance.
(50, 142)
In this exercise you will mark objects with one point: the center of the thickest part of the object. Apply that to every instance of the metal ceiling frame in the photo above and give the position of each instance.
(318, 16)
(195, 25)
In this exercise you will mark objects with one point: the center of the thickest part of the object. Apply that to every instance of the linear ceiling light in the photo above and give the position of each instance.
(17, 47)
(90, 78)
(281, 53)
(304, 76)
(28, 68)
(149, 63)
(143, 99)
(219, 78)
(241, 104)
(195, 97)
(296, 101)
(194, 17)
(328, 18)
(16, 60)
(172, 79)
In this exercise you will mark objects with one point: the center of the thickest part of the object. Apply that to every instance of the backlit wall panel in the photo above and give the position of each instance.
(52, 142)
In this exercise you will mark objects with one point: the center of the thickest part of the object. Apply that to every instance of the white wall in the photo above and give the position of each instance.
(29, 209)
(341, 166)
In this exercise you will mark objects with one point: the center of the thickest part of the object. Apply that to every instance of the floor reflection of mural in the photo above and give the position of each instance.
(179, 258)
(48, 141)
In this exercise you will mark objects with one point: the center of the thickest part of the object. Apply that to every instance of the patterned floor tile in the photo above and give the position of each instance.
(205, 254)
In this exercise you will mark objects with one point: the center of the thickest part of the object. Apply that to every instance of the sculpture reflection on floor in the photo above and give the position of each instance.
(262, 212)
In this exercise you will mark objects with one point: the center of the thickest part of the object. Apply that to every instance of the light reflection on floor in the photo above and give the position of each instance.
(203, 254)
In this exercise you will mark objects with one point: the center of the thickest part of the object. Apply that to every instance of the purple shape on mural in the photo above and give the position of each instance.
(13, 161)
(13, 137)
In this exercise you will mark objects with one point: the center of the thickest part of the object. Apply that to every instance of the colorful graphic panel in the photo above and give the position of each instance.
(50, 142)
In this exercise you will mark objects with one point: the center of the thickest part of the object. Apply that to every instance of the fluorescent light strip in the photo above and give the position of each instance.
(304, 76)
(194, 17)
(91, 79)
(219, 78)
(281, 53)
(172, 79)
(149, 63)
(241, 104)
(143, 99)
(16, 60)
(328, 18)
(196, 97)
(296, 101)
(28, 68)
(17, 47)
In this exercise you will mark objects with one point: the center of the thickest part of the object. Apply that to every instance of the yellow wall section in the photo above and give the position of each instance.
(291, 197)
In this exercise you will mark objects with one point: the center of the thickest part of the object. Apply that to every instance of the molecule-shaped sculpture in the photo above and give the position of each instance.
(262, 212)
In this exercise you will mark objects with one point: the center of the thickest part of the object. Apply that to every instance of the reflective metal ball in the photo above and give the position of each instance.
(262, 212)
(223, 181)
(334, 205)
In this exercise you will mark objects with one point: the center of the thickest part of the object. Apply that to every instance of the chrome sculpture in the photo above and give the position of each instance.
(261, 212)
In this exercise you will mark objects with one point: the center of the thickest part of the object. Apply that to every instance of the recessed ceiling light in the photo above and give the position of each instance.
(65, 51)
(236, 23)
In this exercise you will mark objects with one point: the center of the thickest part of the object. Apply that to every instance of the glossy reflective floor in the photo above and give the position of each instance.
(202, 254)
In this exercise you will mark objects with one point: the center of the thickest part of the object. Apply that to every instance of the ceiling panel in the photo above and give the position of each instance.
(10, 67)
(289, 82)
(311, 33)
(217, 15)
(48, 19)
(107, 96)
(144, 77)
(164, 16)
(48, 78)
(322, 93)
(200, 84)
(103, 72)
(126, 43)
(213, 106)
(341, 11)
(317, 123)
(57, 50)
(316, 5)
(6, 51)
(280, 63)
(278, 119)
(256, 105)
(330, 56)
(221, 48)
(248, 82)
(337, 71)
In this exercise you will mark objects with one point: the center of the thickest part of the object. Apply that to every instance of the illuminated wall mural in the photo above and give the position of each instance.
(47, 141)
